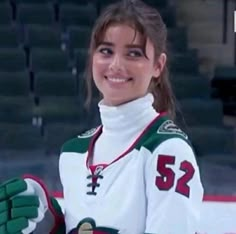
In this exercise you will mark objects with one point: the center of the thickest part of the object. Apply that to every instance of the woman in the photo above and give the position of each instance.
(136, 173)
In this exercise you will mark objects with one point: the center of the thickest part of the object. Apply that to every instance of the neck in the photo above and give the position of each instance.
(136, 113)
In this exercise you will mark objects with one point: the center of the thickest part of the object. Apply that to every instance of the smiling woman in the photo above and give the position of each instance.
(122, 70)
(136, 173)
(134, 38)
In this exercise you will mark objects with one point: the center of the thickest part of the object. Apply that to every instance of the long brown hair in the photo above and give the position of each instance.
(148, 22)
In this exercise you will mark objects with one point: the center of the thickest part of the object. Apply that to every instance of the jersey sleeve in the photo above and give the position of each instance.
(173, 189)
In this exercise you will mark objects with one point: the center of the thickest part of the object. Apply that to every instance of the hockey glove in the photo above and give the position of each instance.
(25, 207)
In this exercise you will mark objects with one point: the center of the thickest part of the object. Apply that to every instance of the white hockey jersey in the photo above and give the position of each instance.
(153, 187)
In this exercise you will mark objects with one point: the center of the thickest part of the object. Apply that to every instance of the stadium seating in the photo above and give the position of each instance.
(20, 136)
(212, 141)
(79, 37)
(16, 2)
(177, 39)
(5, 13)
(58, 133)
(224, 84)
(9, 37)
(80, 59)
(14, 83)
(190, 86)
(43, 49)
(80, 2)
(158, 4)
(12, 60)
(17, 109)
(186, 62)
(38, 36)
(196, 112)
(35, 13)
(55, 84)
(49, 60)
(59, 109)
(72, 14)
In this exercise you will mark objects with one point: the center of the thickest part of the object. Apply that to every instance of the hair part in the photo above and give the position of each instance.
(148, 22)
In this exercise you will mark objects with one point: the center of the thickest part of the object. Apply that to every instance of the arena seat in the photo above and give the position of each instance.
(80, 59)
(41, 13)
(56, 134)
(14, 83)
(72, 14)
(196, 112)
(12, 60)
(190, 86)
(177, 39)
(5, 13)
(169, 16)
(16, 2)
(20, 136)
(9, 37)
(55, 84)
(78, 2)
(230, 107)
(224, 87)
(186, 62)
(59, 109)
(49, 60)
(157, 4)
(42, 36)
(79, 37)
(224, 81)
(16, 109)
(212, 140)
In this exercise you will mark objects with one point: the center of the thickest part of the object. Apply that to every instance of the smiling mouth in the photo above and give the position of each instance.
(118, 79)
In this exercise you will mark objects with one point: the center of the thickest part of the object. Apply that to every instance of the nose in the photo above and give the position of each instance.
(116, 64)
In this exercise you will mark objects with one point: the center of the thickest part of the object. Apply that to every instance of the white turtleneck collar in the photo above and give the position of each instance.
(122, 125)
(137, 113)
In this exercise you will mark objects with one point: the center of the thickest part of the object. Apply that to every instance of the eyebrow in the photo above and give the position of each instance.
(106, 43)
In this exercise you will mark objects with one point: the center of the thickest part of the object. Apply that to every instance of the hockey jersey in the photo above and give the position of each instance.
(152, 187)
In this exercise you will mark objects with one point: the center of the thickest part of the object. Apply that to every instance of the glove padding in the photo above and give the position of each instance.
(23, 204)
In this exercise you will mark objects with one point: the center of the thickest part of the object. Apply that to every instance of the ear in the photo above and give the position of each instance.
(159, 65)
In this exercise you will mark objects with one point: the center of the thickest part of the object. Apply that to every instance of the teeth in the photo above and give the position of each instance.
(117, 80)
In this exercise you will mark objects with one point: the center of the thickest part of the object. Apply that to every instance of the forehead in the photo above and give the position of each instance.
(121, 33)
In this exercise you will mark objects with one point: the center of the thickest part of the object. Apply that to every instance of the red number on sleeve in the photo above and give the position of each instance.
(182, 183)
(167, 176)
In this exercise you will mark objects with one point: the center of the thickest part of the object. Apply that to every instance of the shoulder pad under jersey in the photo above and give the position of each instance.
(80, 143)
(161, 130)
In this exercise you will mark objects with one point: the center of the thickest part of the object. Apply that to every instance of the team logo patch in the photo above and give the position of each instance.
(88, 226)
(88, 133)
(168, 127)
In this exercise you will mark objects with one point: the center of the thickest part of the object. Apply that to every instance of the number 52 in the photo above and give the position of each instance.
(167, 176)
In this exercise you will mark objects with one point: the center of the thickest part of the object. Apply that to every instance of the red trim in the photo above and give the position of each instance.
(207, 198)
(91, 144)
(95, 137)
(219, 198)
(58, 219)
(57, 194)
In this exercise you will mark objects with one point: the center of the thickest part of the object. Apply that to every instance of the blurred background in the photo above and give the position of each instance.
(43, 50)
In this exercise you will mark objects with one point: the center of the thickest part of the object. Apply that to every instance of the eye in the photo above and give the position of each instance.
(135, 53)
(105, 51)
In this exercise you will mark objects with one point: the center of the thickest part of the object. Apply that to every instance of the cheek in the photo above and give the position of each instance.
(141, 69)
(98, 66)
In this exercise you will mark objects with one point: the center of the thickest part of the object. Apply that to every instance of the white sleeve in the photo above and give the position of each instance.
(173, 189)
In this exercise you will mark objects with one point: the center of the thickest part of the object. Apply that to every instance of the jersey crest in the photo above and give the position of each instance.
(168, 127)
(88, 226)
(88, 133)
